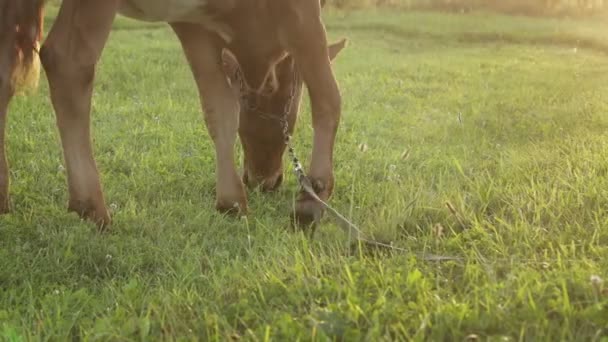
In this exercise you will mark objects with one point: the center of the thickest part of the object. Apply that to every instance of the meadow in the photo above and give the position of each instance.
(480, 136)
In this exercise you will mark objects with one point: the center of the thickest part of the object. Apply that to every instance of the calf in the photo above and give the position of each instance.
(271, 41)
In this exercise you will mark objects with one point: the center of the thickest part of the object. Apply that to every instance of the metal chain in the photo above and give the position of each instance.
(306, 185)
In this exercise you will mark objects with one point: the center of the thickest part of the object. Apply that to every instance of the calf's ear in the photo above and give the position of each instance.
(335, 48)
(230, 64)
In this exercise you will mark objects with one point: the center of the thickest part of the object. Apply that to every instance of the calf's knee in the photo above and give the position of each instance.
(329, 106)
(77, 76)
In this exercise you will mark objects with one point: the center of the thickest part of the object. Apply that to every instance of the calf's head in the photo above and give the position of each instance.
(263, 109)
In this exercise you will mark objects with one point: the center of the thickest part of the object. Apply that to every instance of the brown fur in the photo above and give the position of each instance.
(262, 32)
(20, 33)
(21, 21)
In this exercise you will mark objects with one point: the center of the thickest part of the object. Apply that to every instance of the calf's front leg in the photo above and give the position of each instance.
(69, 56)
(220, 104)
(303, 33)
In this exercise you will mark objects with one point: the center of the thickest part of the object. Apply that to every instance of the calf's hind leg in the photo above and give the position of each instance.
(69, 56)
(5, 97)
(7, 63)
(221, 109)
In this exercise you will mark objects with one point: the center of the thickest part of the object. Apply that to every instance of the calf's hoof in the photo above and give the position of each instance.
(230, 196)
(232, 208)
(88, 210)
(308, 210)
(4, 206)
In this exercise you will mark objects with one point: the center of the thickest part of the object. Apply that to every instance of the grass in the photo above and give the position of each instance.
(490, 149)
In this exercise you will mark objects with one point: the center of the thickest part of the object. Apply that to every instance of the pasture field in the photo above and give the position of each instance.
(479, 136)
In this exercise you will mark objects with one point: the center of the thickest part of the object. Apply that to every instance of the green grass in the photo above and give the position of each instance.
(525, 170)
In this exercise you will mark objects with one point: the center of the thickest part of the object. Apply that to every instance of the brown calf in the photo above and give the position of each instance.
(260, 34)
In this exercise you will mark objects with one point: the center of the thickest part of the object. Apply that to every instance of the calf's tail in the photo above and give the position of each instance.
(21, 23)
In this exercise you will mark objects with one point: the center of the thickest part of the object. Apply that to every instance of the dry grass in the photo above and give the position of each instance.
(527, 7)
